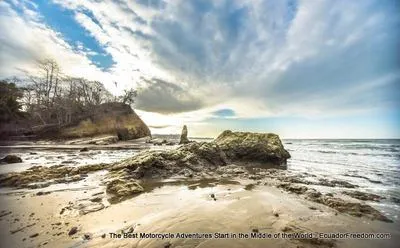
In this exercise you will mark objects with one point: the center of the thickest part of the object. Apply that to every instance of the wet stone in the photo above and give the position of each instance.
(73, 230)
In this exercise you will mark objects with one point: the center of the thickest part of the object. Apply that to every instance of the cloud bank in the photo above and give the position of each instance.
(225, 59)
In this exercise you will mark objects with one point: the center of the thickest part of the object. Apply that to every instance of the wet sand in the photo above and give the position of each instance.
(229, 199)
(185, 207)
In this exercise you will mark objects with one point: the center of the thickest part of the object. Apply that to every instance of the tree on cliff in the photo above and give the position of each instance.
(50, 97)
(10, 96)
(129, 96)
(55, 98)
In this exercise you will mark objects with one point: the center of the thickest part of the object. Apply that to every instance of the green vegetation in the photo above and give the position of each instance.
(10, 97)
(57, 103)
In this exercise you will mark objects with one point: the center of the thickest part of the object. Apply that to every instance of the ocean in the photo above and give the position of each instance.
(373, 165)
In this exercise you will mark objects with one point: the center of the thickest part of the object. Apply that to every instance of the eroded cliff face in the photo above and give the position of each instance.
(109, 118)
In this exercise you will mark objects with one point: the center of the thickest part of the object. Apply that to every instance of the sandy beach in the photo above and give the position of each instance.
(148, 195)
(33, 220)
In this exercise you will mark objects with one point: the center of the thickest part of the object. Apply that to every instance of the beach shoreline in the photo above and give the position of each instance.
(226, 200)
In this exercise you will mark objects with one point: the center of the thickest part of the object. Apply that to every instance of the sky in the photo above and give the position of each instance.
(301, 69)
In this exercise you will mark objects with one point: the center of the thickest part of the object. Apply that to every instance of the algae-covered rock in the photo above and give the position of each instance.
(353, 208)
(259, 147)
(11, 159)
(363, 196)
(122, 188)
(196, 157)
(41, 176)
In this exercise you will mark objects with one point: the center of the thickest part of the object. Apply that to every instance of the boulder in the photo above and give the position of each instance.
(123, 188)
(10, 159)
(184, 134)
(253, 147)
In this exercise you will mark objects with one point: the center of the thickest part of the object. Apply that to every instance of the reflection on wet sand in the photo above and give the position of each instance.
(176, 206)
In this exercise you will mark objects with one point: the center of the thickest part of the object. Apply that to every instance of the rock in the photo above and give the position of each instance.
(73, 230)
(11, 159)
(196, 157)
(40, 176)
(311, 241)
(186, 172)
(87, 236)
(293, 188)
(158, 142)
(85, 149)
(312, 193)
(34, 235)
(107, 140)
(233, 170)
(287, 229)
(43, 193)
(85, 207)
(363, 196)
(98, 193)
(250, 186)
(123, 188)
(184, 139)
(335, 183)
(352, 208)
(127, 229)
(253, 147)
(112, 118)
(96, 199)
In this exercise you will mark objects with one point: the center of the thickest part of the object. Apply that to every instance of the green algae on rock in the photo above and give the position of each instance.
(257, 147)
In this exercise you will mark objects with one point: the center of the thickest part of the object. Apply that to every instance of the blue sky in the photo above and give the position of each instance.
(302, 69)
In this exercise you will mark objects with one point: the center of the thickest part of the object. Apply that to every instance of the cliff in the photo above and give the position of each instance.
(111, 119)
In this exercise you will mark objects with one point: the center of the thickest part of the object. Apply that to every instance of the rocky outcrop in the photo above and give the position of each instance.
(253, 147)
(40, 176)
(121, 188)
(363, 196)
(343, 206)
(184, 139)
(199, 158)
(11, 159)
(195, 157)
(109, 119)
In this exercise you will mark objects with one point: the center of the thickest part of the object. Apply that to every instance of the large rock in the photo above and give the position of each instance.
(184, 134)
(10, 159)
(253, 147)
(109, 119)
(196, 157)
(123, 188)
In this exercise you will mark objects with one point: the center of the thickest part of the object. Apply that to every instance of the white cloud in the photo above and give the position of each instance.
(24, 40)
(258, 58)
